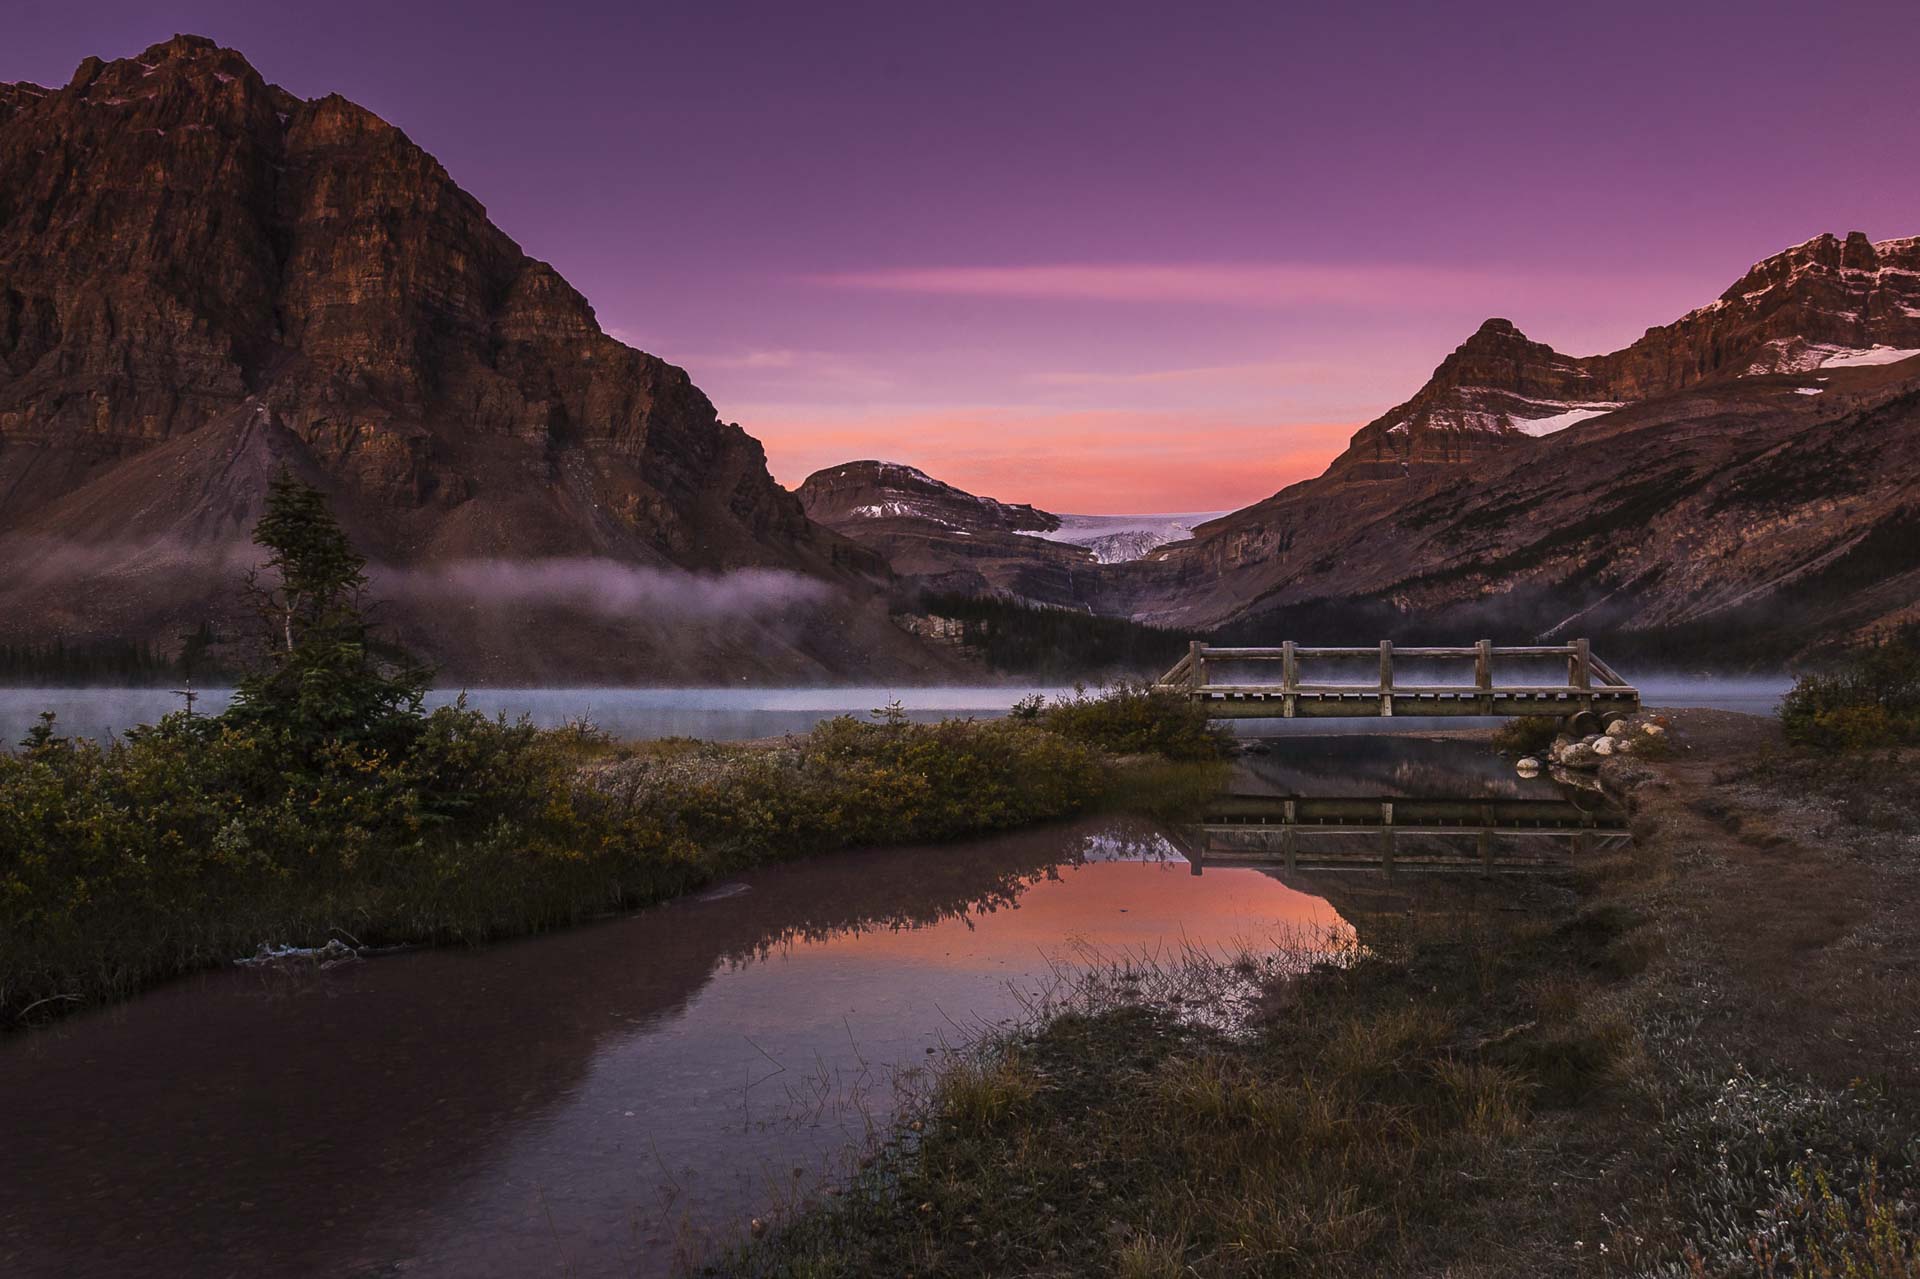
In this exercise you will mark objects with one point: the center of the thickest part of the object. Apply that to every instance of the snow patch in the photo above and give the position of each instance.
(1809, 390)
(1114, 539)
(1539, 426)
(1856, 359)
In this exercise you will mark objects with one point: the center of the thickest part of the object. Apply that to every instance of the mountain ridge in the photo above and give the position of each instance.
(1786, 313)
(187, 247)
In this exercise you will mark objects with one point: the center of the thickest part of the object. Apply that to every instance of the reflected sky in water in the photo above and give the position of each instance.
(586, 1099)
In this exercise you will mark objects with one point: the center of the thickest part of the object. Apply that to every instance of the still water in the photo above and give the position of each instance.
(610, 1098)
(735, 713)
(594, 1101)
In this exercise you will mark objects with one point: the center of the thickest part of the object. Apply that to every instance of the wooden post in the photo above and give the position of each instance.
(1386, 677)
(1197, 654)
(1580, 666)
(1386, 837)
(1289, 679)
(1486, 851)
(1483, 675)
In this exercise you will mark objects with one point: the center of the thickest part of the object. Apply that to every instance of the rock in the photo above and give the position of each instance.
(1652, 730)
(1580, 755)
(1528, 765)
(1603, 748)
(1619, 728)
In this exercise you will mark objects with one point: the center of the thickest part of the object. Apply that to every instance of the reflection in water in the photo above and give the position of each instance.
(581, 1099)
(576, 1099)
(1397, 806)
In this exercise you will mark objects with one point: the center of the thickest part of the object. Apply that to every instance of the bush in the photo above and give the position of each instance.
(1871, 699)
(1528, 735)
(1130, 718)
(197, 840)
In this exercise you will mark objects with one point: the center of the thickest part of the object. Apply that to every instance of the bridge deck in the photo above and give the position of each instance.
(1593, 689)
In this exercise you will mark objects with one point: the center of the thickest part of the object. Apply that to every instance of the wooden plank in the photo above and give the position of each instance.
(1197, 663)
(1602, 694)
(1274, 654)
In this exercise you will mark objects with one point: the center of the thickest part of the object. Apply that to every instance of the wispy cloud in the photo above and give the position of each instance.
(1255, 284)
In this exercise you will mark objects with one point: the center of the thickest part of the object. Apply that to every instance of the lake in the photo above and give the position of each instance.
(735, 713)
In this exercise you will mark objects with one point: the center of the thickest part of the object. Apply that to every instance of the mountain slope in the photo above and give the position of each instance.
(1744, 519)
(1823, 300)
(203, 277)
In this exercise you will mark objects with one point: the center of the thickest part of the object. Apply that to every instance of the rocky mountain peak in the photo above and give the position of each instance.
(1829, 298)
(876, 490)
(188, 252)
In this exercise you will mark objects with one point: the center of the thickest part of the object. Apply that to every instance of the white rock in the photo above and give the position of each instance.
(1603, 747)
(1652, 730)
(1619, 728)
(1528, 764)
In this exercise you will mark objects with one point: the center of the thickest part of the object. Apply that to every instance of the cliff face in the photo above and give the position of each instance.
(1825, 300)
(203, 276)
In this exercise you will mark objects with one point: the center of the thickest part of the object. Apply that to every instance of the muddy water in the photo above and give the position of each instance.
(608, 1099)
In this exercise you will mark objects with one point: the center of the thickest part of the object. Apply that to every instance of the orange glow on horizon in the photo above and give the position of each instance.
(1081, 462)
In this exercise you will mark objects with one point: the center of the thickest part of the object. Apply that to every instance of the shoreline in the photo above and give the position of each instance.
(1552, 1083)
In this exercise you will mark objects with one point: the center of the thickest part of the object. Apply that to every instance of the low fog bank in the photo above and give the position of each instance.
(605, 588)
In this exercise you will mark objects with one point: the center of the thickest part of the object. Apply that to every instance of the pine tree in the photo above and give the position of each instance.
(321, 679)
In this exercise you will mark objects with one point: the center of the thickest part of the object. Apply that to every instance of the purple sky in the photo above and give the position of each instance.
(1104, 257)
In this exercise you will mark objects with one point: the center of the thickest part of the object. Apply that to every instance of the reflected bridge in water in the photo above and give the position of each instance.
(1487, 835)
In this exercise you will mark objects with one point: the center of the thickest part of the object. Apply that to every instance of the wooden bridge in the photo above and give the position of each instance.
(1594, 692)
(1476, 835)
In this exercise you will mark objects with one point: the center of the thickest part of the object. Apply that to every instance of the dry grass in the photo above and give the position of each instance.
(1697, 1063)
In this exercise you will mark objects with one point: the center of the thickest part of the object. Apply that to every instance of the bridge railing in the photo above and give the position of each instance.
(1588, 681)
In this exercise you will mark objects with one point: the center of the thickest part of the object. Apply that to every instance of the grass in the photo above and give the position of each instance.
(197, 842)
(1351, 1133)
(1602, 1081)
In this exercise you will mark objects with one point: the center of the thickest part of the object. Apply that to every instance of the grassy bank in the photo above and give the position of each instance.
(1699, 1057)
(199, 840)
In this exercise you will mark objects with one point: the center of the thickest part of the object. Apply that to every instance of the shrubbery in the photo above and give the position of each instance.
(1871, 699)
(1135, 719)
(197, 840)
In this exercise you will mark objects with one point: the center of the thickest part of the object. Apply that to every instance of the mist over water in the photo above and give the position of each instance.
(734, 713)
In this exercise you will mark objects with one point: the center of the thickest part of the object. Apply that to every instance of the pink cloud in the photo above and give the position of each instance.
(1256, 284)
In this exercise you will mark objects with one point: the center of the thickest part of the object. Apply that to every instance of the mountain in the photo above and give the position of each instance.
(1748, 517)
(1738, 487)
(856, 493)
(1819, 302)
(950, 540)
(204, 278)
(943, 539)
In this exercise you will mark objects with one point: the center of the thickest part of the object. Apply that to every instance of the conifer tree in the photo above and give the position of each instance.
(324, 676)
